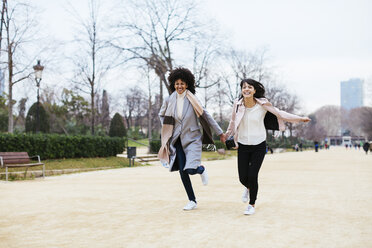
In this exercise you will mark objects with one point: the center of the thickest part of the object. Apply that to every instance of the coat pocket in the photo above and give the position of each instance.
(194, 128)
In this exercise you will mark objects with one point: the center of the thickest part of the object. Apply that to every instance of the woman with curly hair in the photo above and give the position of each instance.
(252, 115)
(181, 138)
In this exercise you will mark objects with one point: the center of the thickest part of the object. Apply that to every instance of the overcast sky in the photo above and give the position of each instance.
(312, 44)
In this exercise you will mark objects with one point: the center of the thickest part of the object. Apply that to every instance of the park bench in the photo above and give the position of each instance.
(18, 159)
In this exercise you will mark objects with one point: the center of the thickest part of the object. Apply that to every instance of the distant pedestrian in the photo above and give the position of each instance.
(296, 147)
(300, 147)
(316, 144)
(366, 147)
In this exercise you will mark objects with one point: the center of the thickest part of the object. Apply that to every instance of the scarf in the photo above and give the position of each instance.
(168, 124)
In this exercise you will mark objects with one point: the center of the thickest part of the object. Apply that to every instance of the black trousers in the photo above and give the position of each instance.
(250, 158)
(181, 160)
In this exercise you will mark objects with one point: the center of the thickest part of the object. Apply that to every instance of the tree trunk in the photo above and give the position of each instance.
(10, 97)
(150, 121)
(92, 109)
(10, 107)
(161, 92)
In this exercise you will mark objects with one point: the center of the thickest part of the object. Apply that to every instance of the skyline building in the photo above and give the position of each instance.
(352, 94)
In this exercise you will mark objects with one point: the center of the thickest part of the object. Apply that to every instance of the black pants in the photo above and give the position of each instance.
(250, 158)
(181, 160)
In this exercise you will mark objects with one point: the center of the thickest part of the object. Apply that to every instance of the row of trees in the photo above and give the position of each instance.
(334, 121)
(170, 33)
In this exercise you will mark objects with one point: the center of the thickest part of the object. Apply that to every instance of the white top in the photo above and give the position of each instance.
(251, 130)
(180, 100)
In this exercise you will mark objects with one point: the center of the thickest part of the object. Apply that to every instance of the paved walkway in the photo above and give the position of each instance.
(305, 199)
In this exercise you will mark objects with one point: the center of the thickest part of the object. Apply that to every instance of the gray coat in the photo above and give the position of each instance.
(187, 128)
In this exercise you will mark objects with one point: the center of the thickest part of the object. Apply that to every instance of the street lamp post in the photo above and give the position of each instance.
(38, 72)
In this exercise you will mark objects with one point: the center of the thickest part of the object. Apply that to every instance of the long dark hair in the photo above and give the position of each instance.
(185, 75)
(260, 89)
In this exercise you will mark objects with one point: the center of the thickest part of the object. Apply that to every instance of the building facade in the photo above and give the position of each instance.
(352, 93)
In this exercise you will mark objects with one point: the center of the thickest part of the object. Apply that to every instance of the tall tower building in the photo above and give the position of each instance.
(352, 93)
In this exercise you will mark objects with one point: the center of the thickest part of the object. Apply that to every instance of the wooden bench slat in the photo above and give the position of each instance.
(6, 157)
(13, 154)
(22, 165)
(18, 159)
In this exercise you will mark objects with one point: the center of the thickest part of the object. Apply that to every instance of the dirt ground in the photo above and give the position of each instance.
(305, 199)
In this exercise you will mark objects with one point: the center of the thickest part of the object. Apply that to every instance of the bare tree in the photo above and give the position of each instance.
(92, 60)
(164, 26)
(19, 24)
(57, 113)
(207, 53)
(366, 121)
(3, 10)
(313, 131)
(244, 65)
(21, 118)
(329, 118)
(134, 106)
(359, 121)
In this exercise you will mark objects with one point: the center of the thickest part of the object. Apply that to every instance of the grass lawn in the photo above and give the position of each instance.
(73, 165)
(143, 141)
(216, 156)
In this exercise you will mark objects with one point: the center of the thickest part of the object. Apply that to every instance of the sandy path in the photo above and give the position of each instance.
(305, 200)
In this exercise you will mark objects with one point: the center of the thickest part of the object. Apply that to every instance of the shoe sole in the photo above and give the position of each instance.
(189, 209)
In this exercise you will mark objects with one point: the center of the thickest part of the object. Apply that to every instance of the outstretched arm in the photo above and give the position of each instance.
(230, 130)
(217, 129)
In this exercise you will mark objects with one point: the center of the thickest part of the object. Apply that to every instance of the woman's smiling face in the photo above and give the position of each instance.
(248, 90)
(180, 86)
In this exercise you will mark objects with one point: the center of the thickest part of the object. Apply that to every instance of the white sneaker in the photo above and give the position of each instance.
(245, 195)
(190, 206)
(204, 177)
(250, 210)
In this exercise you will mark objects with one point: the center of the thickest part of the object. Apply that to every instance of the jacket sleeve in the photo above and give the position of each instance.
(212, 123)
(285, 116)
(231, 129)
(163, 109)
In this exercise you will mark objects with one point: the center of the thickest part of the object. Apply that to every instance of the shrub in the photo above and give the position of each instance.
(117, 128)
(155, 146)
(219, 145)
(3, 120)
(52, 146)
(135, 133)
(31, 119)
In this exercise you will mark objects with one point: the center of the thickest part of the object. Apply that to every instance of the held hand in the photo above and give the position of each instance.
(305, 119)
(223, 138)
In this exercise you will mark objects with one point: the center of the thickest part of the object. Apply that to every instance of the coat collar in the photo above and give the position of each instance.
(261, 101)
(186, 104)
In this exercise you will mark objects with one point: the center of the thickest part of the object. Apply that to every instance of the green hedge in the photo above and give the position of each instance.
(51, 146)
(220, 145)
(155, 146)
